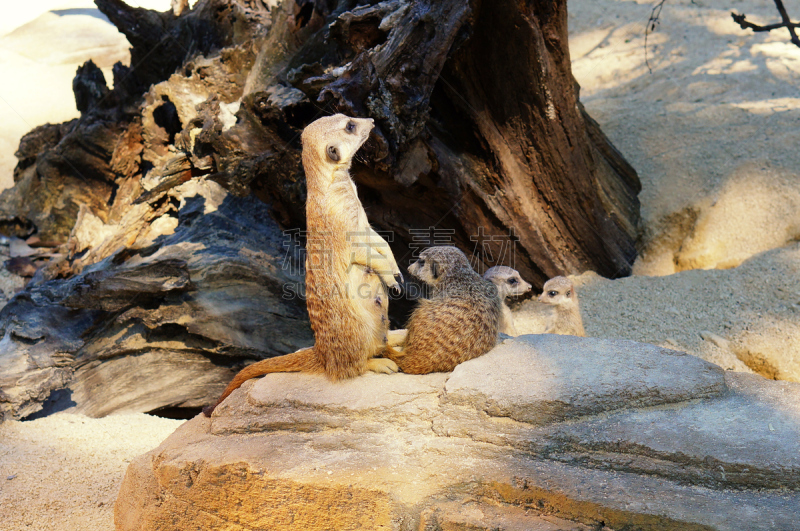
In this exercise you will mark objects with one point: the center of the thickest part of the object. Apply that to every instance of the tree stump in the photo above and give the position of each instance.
(173, 208)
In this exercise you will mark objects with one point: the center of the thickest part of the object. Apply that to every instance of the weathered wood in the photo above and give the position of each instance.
(175, 204)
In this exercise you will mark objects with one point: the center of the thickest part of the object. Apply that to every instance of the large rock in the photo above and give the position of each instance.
(562, 381)
(745, 439)
(294, 451)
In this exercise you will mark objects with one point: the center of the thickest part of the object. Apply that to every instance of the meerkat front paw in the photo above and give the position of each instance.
(374, 262)
(384, 365)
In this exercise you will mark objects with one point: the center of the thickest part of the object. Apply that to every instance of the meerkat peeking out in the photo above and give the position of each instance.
(509, 284)
(459, 322)
(349, 267)
(566, 317)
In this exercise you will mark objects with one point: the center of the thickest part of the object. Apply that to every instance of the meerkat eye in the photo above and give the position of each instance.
(350, 127)
(333, 153)
(421, 262)
(434, 269)
(512, 281)
(552, 293)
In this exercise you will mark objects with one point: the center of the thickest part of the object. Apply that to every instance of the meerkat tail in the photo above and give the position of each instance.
(304, 360)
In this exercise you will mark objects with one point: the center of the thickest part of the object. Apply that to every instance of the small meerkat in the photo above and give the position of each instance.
(509, 283)
(566, 317)
(348, 265)
(459, 322)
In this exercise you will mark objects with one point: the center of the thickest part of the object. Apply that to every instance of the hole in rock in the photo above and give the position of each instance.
(178, 413)
(166, 117)
(305, 14)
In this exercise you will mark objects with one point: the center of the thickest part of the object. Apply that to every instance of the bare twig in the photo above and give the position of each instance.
(652, 22)
(785, 23)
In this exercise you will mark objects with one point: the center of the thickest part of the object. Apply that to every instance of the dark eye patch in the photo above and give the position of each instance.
(350, 127)
(512, 281)
(552, 293)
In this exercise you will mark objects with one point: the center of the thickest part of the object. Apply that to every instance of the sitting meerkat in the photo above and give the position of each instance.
(458, 323)
(509, 284)
(348, 265)
(566, 317)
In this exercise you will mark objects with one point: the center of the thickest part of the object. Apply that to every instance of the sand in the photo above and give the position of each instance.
(63, 472)
(712, 132)
(42, 44)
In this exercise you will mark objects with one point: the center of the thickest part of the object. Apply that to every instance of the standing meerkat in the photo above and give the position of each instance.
(348, 265)
(458, 323)
(566, 317)
(509, 283)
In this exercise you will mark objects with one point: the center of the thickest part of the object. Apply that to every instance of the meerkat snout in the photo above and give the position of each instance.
(509, 284)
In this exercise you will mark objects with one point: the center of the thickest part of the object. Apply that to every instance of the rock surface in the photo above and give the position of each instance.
(566, 383)
(684, 446)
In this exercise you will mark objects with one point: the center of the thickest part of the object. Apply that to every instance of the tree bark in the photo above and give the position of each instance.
(173, 208)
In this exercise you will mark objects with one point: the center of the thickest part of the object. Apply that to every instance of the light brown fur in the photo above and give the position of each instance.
(566, 317)
(509, 283)
(348, 265)
(458, 323)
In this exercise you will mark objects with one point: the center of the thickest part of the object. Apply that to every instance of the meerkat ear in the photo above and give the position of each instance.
(333, 153)
(434, 269)
(569, 293)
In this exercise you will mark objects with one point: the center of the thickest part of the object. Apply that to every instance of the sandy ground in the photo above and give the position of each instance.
(712, 132)
(42, 44)
(745, 319)
(62, 472)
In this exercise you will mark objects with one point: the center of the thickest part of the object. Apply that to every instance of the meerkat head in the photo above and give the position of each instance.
(558, 291)
(437, 263)
(508, 281)
(331, 141)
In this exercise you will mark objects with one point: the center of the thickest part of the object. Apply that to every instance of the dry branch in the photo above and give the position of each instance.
(784, 23)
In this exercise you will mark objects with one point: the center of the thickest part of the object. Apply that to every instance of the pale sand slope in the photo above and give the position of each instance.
(62, 472)
(713, 134)
(716, 121)
(42, 43)
(719, 104)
